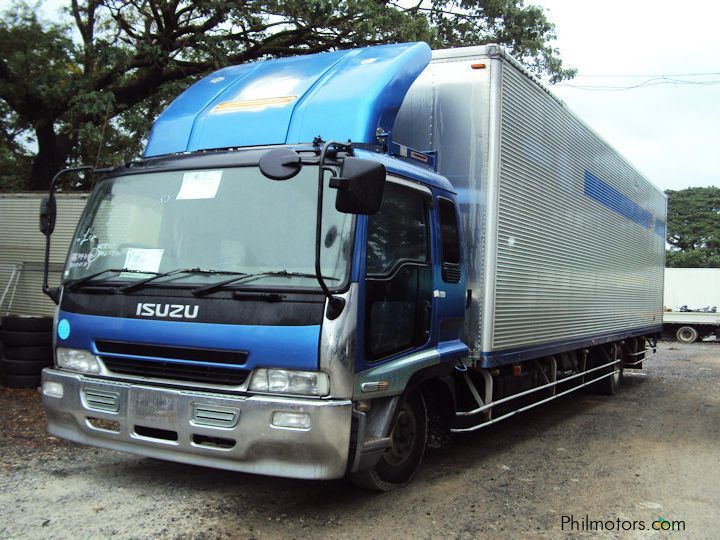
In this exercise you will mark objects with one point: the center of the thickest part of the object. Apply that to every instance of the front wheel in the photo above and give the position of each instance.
(401, 460)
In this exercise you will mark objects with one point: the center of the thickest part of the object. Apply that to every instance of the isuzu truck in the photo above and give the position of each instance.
(323, 264)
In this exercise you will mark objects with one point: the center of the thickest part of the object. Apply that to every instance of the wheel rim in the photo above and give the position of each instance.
(404, 435)
(686, 335)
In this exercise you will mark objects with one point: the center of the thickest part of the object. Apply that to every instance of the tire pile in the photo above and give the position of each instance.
(26, 345)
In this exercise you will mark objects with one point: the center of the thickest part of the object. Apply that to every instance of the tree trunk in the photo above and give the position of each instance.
(51, 157)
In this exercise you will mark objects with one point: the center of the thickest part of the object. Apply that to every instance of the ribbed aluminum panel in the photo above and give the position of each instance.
(552, 254)
(580, 233)
(22, 243)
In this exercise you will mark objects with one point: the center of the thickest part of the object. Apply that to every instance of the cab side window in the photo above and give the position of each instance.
(398, 232)
(449, 241)
(398, 274)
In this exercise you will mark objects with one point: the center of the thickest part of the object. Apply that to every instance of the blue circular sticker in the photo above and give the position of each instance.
(64, 329)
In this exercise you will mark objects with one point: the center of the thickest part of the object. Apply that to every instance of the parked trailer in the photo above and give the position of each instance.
(253, 296)
(687, 292)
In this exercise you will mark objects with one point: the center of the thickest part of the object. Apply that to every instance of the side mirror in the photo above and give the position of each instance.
(360, 186)
(48, 213)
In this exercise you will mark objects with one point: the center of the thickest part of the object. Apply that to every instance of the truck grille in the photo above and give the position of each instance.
(172, 370)
(218, 356)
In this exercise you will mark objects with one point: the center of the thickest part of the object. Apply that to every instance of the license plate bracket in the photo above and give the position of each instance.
(153, 408)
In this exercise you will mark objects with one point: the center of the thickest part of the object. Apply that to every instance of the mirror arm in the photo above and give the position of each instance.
(54, 292)
(338, 182)
(335, 303)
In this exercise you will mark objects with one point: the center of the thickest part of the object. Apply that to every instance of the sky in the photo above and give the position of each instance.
(670, 131)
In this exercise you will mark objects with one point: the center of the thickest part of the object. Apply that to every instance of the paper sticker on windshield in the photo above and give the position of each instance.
(143, 260)
(199, 185)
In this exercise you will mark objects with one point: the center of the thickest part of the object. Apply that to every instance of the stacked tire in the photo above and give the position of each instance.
(26, 350)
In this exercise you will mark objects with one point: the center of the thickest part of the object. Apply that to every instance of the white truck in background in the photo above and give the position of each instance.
(691, 300)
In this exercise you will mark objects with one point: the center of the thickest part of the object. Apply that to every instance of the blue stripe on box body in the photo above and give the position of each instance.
(608, 196)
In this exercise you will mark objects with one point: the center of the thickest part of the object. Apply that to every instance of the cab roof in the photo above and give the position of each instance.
(352, 94)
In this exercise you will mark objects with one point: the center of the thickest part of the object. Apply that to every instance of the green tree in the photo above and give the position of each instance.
(87, 88)
(693, 228)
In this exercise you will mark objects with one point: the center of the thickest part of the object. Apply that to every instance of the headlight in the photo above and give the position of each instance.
(77, 360)
(283, 381)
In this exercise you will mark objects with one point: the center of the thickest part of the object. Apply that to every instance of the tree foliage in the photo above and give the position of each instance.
(86, 88)
(693, 228)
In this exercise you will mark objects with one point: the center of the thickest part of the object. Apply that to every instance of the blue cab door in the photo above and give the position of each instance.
(397, 306)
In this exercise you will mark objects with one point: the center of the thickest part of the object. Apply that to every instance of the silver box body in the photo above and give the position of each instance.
(564, 240)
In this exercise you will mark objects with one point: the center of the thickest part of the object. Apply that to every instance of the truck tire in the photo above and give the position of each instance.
(19, 381)
(17, 338)
(22, 367)
(686, 334)
(401, 460)
(28, 353)
(607, 386)
(27, 324)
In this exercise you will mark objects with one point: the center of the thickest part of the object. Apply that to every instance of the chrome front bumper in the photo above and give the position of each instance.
(201, 428)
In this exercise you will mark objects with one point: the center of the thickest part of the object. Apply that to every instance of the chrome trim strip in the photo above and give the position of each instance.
(492, 210)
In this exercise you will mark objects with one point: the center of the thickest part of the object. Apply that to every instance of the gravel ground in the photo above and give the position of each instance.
(649, 452)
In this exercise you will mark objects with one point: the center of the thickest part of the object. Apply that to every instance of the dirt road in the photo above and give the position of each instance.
(651, 452)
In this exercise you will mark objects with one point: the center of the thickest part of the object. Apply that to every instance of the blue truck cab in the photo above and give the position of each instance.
(191, 324)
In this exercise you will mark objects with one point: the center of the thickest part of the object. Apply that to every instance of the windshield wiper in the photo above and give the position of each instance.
(80, 281)
(202, 291)
(140, 284)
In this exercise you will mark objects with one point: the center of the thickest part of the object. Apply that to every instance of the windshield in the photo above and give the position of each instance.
(231, 220)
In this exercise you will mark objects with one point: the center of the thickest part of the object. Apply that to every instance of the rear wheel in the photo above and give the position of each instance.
(608, 385)
(401, 460)
(686, 334)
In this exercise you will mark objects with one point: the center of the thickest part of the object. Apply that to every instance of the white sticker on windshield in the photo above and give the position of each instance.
(199, 185)
(143, 260)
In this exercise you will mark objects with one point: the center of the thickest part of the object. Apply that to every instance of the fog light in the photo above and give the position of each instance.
(292, 420)
(77, 360)
(54, 389)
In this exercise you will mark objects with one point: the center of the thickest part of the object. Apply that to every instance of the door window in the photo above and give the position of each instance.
(399, 275)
